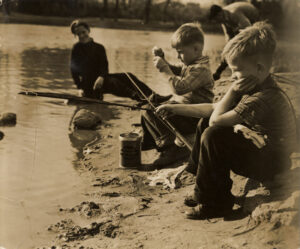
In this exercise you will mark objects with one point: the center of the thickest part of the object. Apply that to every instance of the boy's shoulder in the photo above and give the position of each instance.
(202, 63)
(200, 67)
(76, 45)
(269, 97)
(93, 43)
(98, 44)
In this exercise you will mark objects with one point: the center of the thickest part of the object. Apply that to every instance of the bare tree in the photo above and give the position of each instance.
(147, 11)
(124, 5)
(116, 10)
(165, 11)
(104, 8)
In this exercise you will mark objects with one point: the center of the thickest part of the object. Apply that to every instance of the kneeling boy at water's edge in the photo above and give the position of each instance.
(191, 83)
(89, 69)
(255, 101)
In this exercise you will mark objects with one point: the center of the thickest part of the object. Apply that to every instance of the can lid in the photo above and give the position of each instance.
(129, 136)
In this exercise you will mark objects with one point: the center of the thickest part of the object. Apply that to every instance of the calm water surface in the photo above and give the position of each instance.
(38, 157)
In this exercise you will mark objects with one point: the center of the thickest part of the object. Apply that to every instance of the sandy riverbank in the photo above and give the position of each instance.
(121, 210)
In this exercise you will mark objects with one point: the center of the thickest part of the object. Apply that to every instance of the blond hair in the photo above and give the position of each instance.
(258, 39)
(187, 34)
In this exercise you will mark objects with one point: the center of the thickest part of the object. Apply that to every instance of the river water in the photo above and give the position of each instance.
(38, 157)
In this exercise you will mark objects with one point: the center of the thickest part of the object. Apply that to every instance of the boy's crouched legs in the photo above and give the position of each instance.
(213, 183)
(194, 156)
(222, 150)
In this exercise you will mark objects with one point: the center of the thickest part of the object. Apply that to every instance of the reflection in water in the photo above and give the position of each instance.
(82, 138)
(46, 68)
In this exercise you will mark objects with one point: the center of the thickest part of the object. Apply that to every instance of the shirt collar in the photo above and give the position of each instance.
(89, 42)
(267, 83)
(201, 60)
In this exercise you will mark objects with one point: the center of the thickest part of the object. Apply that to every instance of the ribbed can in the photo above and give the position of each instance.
(130, 150)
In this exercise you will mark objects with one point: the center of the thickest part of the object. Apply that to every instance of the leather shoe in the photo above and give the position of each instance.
(171, 155)
(190, 201)
(202, 212)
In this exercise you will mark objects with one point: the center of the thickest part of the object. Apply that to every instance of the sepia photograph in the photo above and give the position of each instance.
(149, 124)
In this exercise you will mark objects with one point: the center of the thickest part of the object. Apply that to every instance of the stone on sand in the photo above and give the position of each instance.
(1, 135)
(8, 118)
(85, 119)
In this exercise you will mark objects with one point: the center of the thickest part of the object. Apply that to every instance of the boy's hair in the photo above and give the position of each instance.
(258, 39)
(75, 24)
(187, 34)
(214, 11)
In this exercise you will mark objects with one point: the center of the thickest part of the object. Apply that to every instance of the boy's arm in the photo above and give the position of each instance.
(182, 85)
(228, 34)
(224, 114)
(193, 80)
(175, 69)
(158, 52)
(242, 21)
(103, 68)
(103, 62)
(203, 110)
(74, 68)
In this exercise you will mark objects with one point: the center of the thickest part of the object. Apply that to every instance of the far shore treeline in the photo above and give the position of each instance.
(171, 11)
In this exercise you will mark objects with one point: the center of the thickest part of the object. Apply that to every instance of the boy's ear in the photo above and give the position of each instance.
(198, 47)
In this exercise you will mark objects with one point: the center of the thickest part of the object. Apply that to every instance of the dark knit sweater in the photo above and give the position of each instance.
(88, 62)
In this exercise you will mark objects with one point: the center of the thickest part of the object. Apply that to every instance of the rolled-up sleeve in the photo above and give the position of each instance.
(175, 69)
(252, 109)
(195, 78)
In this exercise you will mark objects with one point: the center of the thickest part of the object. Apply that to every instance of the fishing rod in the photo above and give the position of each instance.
(163, 120)
(284, 79)
(80, 99)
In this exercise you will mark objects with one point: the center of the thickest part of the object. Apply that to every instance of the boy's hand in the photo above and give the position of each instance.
(80, 93)
(156, 51)
(164, 111)
(160, 64)
(98, 83)
(244, 85)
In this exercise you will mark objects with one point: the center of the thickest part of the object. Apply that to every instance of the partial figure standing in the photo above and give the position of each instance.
(233, 18)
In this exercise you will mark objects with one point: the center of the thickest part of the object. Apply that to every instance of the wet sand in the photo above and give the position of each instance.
(120, 209)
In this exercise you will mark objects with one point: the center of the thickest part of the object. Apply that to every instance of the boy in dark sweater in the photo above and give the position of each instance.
(89, 69)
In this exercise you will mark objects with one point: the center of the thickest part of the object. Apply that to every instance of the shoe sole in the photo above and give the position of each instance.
(208, 216)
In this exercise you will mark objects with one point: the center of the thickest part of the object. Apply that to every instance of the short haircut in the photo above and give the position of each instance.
(214, 11)
(75, 24)
(187, 34)
(258, 39)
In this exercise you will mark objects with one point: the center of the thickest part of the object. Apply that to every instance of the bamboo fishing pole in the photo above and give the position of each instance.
(163, 120)
(80, 99)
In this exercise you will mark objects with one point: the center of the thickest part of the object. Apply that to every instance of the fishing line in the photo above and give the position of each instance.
(285, 79)
(163, 120)
(27, 188)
